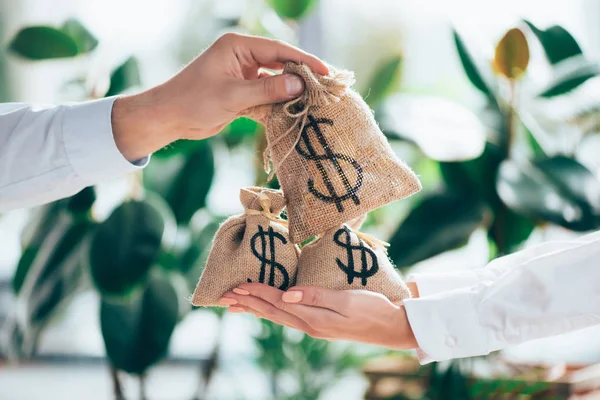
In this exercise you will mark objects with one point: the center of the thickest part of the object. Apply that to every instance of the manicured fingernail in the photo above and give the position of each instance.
(243, 292)
(293, 85)
(293, 296)
(236, 309)
(227, 301)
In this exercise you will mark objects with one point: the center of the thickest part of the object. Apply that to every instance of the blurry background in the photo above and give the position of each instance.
(501, 126)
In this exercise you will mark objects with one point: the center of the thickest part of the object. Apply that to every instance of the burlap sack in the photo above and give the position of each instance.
(332, 160)
(250, 247)
(344, 258)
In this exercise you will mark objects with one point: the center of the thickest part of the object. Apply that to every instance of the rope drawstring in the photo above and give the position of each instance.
(372, 240)
(265, 203)
(319, 91)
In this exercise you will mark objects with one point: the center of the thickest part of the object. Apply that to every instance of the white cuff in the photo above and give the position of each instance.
(434, 283)
(91, 148)
(446, 326)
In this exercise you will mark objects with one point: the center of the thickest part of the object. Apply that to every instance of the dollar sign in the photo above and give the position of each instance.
(269, 237)
(365, 272)
(310, 154)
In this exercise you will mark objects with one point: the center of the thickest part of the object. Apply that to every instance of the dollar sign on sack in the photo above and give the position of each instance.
(365, 254)
(309, 152)
(268, 238)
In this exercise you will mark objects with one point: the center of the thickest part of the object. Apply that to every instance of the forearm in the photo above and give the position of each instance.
(545, 295)
(50, 153)
(143, 124)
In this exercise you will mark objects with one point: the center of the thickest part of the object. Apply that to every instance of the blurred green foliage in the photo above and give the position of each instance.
(147, 255)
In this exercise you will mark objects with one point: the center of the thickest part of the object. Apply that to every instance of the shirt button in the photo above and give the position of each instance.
(450, 341)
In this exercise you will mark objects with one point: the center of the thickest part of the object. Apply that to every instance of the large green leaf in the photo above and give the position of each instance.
(469, 66)
(137, 330)
(440, 222)
(443, 130)
(85, 41)
(239, 130)
(557, 42)
(183, 181)
(384, 81)
(53, 275)
(510, 230)
(477, 176)
(292, 9)
(124, 77)
(558, 189)
(43, 222)
(567, 83)
(126, 245)
(43, 42)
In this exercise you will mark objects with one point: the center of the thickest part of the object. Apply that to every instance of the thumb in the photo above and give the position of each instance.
(272, 89)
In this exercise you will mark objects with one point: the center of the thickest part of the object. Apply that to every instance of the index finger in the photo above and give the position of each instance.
(269, 52)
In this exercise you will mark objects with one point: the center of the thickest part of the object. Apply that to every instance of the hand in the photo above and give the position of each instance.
(209, 93)
(356, 315)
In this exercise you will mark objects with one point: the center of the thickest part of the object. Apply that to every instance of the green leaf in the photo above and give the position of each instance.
(557, 42)
(85, 41)
(183, 182)
(42, 223)
(558, 189)
(443, 130)
(239, 130)
(516, 229)
(124, 77)
(384, 81)
(82, 202)
(292, 9)
(43, 42)
(126, 245)
(54, 273)
(440, 222)
(137, 330)
(469, 66)
(568, 83)
(534, 145)
(476, 176)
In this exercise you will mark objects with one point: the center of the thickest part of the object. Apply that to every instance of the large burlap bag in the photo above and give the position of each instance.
(250, 247)
(344, 259)
(332, 160)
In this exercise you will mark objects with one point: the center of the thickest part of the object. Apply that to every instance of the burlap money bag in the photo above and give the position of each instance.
(344, 258)
(332, 160)
(250, 247)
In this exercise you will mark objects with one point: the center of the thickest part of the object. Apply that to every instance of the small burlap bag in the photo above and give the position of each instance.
(250, 247)
(344, 258)
(332, 160)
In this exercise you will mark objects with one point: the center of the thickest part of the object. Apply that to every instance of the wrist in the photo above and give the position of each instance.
(404, 332)
(141, 125)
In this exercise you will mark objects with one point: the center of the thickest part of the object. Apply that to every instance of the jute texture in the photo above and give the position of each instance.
(250, 247)
(342, 259)
(332, 160)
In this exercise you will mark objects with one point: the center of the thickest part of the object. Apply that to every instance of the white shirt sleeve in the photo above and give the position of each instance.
(47, 154)
(546, 290)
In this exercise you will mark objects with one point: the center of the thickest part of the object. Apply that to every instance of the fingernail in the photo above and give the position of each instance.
(236, 309)
(293, 296)
(243, 292)
(293, 85)
(227, 301)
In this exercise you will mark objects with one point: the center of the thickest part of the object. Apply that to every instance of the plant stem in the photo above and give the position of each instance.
(208, 369)
(142, 381)
(511, 127)
(117, 388)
